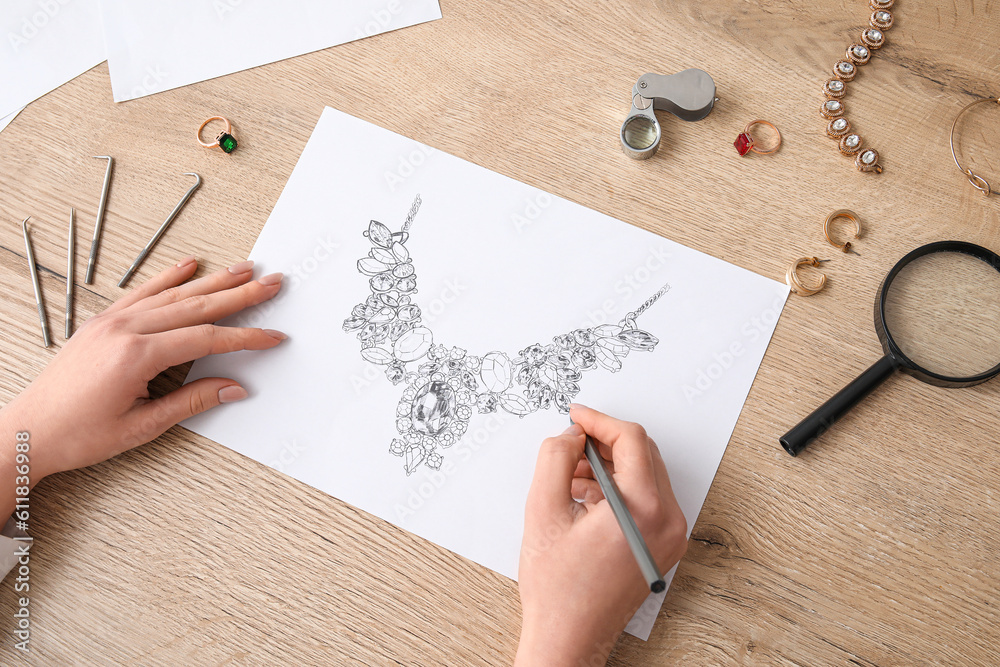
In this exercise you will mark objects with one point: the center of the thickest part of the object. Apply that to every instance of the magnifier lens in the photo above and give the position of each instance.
(943, 311)
(639, 132)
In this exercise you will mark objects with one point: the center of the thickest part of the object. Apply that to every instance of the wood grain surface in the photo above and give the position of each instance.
(877, 546)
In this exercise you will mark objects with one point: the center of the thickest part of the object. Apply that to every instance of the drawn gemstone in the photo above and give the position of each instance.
(433, 408)
(584, 337)
(382, 282)
(495, 372)
(570, 374)
(868, 157)
(584, 358)
(832, 105)
(402, 270)
(413, 344)
(370, 267)
(434, 461)
(638, 339)
(571, 388)
(469, 380)
(379, 234)
(606, 330)
(561, 360)
(406, 284)
(836, 85)
(840, 124)
(534, 354)
(565, 341)
(354, 323)
(400, 252)
(382, 255)
(486, 403)
(408, 313)
(394, 373)
(397, 329)
(549, 374)
(516, 405)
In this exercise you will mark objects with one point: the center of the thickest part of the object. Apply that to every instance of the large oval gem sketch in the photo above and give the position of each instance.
(433, 408)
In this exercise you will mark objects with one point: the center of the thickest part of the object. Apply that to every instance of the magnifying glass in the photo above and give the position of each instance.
(937, 314)
(689, 95)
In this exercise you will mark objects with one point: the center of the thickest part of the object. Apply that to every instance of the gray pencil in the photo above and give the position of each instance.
(635, 540)
(34, 282)
(70, 251)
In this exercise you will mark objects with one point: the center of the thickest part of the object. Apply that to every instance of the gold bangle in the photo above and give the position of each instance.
(977, 181)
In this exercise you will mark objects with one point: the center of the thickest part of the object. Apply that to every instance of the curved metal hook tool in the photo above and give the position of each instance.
(159, 232)
(34, 282)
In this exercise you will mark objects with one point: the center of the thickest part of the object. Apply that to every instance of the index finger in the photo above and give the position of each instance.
(628, 442)
(170, 277)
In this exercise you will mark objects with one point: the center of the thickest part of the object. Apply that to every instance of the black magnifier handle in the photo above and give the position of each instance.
(823, 417)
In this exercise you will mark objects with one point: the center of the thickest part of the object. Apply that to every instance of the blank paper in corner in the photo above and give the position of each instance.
(154, 45)
(435, 342)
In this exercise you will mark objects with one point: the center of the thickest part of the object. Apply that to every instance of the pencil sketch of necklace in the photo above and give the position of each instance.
(443, 385)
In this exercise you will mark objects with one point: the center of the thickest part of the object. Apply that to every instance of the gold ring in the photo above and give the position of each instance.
(753, 144)
(226, 141)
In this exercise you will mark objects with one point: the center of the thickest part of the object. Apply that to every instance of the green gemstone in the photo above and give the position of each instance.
(227, 142)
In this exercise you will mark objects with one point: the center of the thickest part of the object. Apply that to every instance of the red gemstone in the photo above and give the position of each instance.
(743, 143)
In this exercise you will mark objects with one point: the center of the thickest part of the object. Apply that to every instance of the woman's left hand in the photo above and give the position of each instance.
(92, 401)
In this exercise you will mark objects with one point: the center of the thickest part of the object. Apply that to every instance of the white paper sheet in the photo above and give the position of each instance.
(45, 43)
(500, 265)
(155, 46)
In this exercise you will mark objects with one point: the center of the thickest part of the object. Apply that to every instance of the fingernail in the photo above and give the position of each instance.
(232, 393)
(577, 406)
(242, 267)
(574, 429)
(186, 261)
(274, 333)
(271, 279)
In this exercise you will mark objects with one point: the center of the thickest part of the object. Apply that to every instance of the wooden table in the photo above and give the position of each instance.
(879, 545)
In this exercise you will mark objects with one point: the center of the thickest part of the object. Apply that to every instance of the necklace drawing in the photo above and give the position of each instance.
(445, 384)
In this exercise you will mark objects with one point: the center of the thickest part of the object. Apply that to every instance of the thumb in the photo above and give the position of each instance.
(551, 490)
(155, 417)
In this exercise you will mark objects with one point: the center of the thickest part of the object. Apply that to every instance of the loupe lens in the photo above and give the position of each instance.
(943, 312)
(639, 132)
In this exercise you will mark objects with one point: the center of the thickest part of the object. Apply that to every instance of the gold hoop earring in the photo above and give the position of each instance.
(796, 284)
(850, 215)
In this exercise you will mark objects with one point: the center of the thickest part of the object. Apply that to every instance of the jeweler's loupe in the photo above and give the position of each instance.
(689, 95)
(937, 315)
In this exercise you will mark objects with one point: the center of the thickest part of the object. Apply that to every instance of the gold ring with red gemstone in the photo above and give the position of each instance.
(225, 140)
(745, 141)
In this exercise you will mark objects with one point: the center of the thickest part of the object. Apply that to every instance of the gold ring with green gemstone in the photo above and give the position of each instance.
(226, 141)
